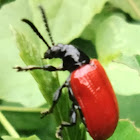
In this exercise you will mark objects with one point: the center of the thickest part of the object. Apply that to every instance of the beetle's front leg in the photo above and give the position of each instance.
(46, 67)
(56, 97)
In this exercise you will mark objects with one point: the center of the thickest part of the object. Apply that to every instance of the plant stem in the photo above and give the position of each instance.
(10, 129)
(21, 109)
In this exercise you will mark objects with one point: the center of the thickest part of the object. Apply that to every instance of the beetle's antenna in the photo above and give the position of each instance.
(46, 24)
(36, 31)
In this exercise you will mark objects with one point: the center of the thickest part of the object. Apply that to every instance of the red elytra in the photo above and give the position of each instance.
(94, 93)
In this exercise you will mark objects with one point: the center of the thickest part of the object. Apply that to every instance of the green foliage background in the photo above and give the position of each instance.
(107, 29)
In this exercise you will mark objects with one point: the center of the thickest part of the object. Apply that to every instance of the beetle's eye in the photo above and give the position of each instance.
(47, 54)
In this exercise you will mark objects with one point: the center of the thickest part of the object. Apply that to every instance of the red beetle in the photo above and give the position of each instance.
(94, 94)
(88, 85)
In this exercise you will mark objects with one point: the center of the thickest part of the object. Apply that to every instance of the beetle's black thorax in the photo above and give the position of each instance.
(71, 56)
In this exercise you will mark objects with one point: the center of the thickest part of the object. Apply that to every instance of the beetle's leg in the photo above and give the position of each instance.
(81, 115)
(73, 118)
(72, 98)
(56, 97)
(46, 67)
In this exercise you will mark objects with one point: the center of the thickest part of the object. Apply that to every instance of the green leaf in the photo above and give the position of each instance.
(2, 2)
(126, 130)
(16, 117)
(3, 131)
(66, 28)
(31, 56)
(15, 87)
(10, 129)
(129, 108)
(118, 37)
(118, 41)
(29, 138)
(132, 62)
(124, 79)
(131, 7)
(113, 35)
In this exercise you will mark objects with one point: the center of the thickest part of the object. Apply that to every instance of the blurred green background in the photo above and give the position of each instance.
(108, 30)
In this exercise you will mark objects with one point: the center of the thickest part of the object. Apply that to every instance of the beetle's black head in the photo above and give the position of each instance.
(53, 52)
(71, 56)
(49, 54)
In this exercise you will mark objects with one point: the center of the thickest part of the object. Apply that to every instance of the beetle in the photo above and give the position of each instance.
(89, 87)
